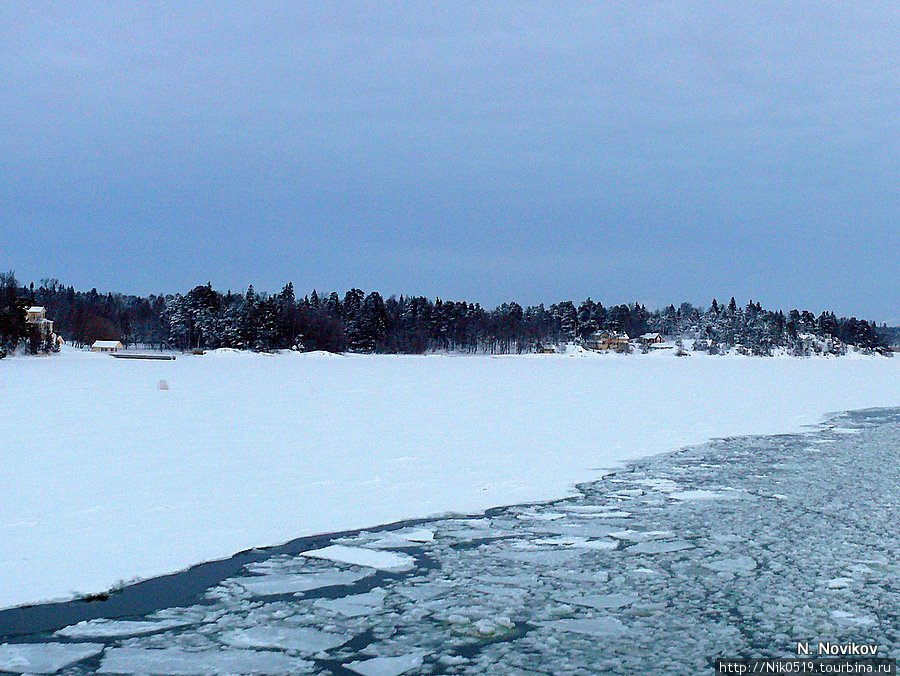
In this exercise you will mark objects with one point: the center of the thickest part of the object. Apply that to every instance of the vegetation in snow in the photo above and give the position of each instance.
(366, 322)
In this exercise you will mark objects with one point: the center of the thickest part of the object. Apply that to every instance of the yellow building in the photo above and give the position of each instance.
(107, 346)
(37, 315)
(604, 340)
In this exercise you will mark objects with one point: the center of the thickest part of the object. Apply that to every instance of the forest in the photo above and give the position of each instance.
(204, 318)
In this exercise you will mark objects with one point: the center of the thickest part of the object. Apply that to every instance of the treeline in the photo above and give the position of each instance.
(889, 335)
(205, 318)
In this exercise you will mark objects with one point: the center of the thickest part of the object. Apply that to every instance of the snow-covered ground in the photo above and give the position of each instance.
(107, 477)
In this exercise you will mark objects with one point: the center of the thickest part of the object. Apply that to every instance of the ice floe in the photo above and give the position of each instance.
(702, 495)
(601, 627)
(269, 585)
(183, 662)
(641, 535)
(601, 601)
(738, 564)
(44, 658)
(300, 639)
(658, 547)
(387, 666)
(414, 534)
(358, 556)
(105, 628)
(355, 605)
(852, 618)
(659, 484)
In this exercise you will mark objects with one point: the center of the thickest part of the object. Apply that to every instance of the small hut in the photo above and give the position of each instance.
(107, 346)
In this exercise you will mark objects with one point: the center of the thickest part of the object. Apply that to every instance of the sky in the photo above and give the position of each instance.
(637, 151)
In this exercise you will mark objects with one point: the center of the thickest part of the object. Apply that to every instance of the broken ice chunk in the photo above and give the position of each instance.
(357, 556)
(542, 557)
(661, 485)
(597, 511)
(576, 542)
(600, 601)
(387, 666)
(540, 516)
(302, 639)
(268, 585)
(658, 547)
(739, 564)
(102, 627)
(601, 627)
(641, 535)
(415, 534)
(703, 495)
(850, 618)
(355, 605)
(44, 658)
(178, 662)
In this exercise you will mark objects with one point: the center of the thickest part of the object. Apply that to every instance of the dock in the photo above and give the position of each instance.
(163, 357)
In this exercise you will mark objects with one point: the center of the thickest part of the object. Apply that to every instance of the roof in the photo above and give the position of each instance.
(652, 335)
(36, 308)
(608, 335)
(107, 343)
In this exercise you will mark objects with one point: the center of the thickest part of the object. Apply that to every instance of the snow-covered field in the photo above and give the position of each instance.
(106, 477)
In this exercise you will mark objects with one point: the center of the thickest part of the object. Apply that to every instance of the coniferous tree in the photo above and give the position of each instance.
(205, 318)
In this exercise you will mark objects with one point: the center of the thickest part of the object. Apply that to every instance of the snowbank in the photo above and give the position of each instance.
(107, 477)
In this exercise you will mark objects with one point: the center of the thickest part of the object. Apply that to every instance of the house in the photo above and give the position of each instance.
(606, 340)
(37, 315)
(546, 349)
(107, 346)
(651, 338)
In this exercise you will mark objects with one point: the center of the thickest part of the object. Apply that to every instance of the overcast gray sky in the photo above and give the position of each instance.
(657, 152)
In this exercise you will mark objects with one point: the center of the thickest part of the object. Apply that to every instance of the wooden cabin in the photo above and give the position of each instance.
(651, 338)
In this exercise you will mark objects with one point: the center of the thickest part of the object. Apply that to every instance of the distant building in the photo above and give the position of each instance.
(651, 338)
(546, 349)
(107, 346)
(606, 340)
(37, 315)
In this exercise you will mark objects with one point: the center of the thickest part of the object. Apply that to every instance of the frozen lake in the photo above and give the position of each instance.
(110, 478)
(739, 547)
